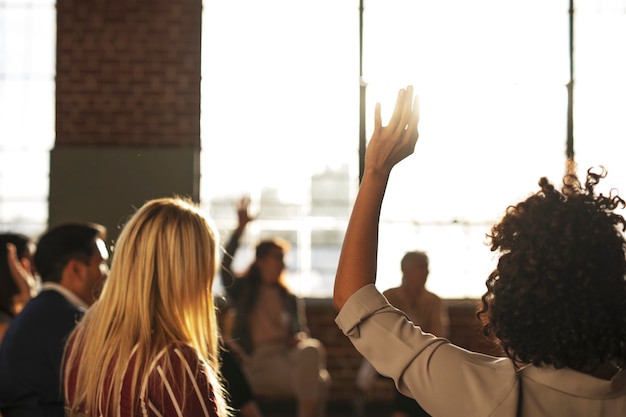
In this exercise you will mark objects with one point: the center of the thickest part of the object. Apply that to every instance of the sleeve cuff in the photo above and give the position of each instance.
(362, 304)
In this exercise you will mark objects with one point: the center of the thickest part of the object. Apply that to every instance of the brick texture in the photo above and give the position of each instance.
(128, 73)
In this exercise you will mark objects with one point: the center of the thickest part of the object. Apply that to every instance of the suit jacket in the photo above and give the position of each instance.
(31, 354)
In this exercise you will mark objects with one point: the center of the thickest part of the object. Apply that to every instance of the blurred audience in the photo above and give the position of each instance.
(71, 260)
(18, 282)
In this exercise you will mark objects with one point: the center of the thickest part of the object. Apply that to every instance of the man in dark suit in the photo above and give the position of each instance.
(72, 261)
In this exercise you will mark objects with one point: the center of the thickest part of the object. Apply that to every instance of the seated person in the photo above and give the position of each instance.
(421, 306)
(278, 356)
(72, 261)
(239, 394)
(149, 346)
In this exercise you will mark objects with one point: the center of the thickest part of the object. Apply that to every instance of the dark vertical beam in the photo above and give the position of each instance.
(570, 93)
(362, 86)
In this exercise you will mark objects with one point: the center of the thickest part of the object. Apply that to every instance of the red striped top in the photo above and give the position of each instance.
(184, 390)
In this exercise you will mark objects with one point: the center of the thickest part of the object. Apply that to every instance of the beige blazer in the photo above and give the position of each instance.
(450, 381)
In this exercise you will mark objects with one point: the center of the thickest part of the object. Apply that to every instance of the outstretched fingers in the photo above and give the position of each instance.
(22, 277)
(404, 111)
(392, 143)
(396, 116)
(378, 122)
(414, 118)
(243, 215)
(405, 126)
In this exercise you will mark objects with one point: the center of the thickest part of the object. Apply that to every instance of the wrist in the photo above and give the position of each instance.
(376, 176)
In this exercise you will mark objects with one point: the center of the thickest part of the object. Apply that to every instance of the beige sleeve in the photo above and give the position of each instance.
(445, 379)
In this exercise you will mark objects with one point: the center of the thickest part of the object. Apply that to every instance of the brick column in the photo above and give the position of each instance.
(127, 107)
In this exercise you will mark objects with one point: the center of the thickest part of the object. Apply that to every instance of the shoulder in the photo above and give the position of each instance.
(180, 362)
(391, 291)
(291, 299)
(188, 379)
(50, 302)
(432, 297)
(44, 299)
(179, 355)
(183, 353)
(393, 295)
(48, 312)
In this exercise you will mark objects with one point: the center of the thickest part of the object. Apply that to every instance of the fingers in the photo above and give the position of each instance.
(14, 264)
(404, 110)
(378, 122)
(416, 109)
(414, 120)
(18, 272)
(405, 114)
(11, 251)
(243, 215)
(398, 109)
(243, 203)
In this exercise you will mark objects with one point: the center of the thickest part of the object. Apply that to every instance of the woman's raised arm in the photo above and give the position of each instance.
(388, 145)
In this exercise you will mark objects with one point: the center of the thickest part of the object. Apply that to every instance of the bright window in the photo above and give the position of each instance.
(280, 116)
(27, 47)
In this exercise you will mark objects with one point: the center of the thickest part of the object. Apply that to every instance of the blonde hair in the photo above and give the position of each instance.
(158, 294)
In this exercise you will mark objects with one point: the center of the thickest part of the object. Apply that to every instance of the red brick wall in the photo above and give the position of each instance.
(128, 73)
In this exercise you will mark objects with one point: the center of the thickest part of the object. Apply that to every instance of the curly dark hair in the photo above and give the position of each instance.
(558, 294)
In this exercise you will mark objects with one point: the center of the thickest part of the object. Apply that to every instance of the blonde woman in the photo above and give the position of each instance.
(149, 346)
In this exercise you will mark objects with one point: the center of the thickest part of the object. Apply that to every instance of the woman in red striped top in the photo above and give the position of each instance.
(148, 346)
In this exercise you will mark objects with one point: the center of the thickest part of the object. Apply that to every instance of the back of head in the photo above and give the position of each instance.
(8, 288)
(414, 257)
(414, 266)
(73, 240)
(163, 268)
(266, 246)
(158, 293)
(558, 295)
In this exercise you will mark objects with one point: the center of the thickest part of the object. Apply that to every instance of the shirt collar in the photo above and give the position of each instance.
(69, 295)
(576, 383)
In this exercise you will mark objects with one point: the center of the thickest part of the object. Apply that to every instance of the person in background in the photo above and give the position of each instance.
(18, 283)
(556, 302)
(421, 307)
(149, 345)
(269, 331)
(72, 261)
(240, 397)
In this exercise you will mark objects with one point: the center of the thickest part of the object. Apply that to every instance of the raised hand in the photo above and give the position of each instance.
(389, 145)
(24, 280)
(392, 143)
(243, 215)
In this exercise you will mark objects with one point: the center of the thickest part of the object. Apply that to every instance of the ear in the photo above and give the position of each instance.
(74, 274)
